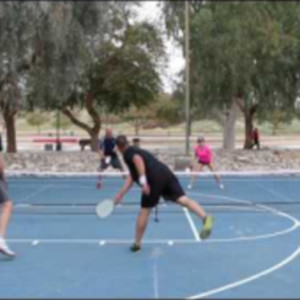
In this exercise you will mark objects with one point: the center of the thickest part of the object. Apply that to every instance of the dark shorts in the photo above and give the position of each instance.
(203, 163)
(170, 190)
(114, 162)
(3, 192)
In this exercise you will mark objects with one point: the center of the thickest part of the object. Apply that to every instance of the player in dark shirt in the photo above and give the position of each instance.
(156, 180)
(108, 155)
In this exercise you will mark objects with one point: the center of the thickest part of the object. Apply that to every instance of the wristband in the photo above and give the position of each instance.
(143, 180)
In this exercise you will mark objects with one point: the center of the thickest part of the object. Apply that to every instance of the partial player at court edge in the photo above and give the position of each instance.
(6, 207)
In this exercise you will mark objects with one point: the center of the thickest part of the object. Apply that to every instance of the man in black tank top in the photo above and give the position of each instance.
(156, 180)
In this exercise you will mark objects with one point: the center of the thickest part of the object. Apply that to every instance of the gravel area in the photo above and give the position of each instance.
(239, 160)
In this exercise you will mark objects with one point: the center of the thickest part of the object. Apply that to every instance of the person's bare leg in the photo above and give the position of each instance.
(196, 208)
(6, 211)
(196, 168)
(192, 205)
(141, 225)
(217, 177)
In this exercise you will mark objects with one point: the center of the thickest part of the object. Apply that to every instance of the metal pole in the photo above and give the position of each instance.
(58, 143)
(187, 79)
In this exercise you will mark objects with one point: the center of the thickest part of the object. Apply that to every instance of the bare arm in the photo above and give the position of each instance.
(141, 168)
(140, 165)
(100, 153)
(127, 185)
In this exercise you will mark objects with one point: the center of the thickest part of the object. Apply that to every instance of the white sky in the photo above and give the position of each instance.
(151, 11)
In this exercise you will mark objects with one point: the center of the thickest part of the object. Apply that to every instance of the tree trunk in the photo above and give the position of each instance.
(9, 119)
(137, 128)
(227, 119)
(248, 131)
(94, 140)
(94, 130)
(248, 113)
(275, 127)
(229, 136)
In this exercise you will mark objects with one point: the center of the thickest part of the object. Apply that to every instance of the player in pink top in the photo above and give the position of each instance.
(204, 157)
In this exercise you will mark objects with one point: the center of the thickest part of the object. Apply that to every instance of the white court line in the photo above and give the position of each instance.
(272, 192)
(166, 242)
(155, 281)
(263, 208)
(296, 224)
(99, 241)
(41, 189)
(248, 279)
(192, 224)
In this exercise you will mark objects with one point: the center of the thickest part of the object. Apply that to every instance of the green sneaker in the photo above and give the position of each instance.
(208, 223)
(135, 248)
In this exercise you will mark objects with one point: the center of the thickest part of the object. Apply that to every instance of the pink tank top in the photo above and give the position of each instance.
(204, 154)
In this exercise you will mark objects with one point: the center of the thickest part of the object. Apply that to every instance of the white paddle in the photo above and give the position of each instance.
(105, 208)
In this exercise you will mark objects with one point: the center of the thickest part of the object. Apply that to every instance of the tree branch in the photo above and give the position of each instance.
(67, 112)
(92, 112)
(240, 104)
(253, 109)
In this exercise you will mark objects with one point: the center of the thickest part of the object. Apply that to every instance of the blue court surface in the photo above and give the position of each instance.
(65, 251)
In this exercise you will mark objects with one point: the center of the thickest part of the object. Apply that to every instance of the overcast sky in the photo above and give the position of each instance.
(151, 11)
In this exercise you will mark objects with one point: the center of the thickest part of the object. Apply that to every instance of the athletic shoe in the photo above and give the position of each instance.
(135, 248)
(208, 223)
(5, 249)
(189, 187)
(221, 186)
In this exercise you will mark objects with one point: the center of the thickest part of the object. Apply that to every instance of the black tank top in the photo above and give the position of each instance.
(156, 171)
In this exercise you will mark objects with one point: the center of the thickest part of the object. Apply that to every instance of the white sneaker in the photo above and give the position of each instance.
(5, 249)
(189, 187)
(221, 186)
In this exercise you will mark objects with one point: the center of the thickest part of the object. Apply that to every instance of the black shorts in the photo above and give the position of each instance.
(114, 162)
(203, 163)
(170, 190)
(3, 192)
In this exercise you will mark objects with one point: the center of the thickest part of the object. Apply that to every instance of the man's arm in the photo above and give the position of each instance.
(140, 166)
(127, 185)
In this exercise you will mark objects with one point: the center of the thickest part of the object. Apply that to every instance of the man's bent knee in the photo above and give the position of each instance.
(7, 204)
(183, 200)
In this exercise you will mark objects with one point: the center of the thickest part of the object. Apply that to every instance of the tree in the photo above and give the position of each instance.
(37, 119)
(162, 112)
(243, 54)
(19, 49)
(122, 69)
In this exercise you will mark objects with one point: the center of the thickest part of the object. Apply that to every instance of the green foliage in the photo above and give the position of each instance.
(120, 69)
(162, 112)
(167, 110)
(37, 118)
(127, 75)
(245, 50)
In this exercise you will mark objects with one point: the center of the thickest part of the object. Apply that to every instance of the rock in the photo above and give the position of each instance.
(238, 160)
(243, 159)
(181, 163)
